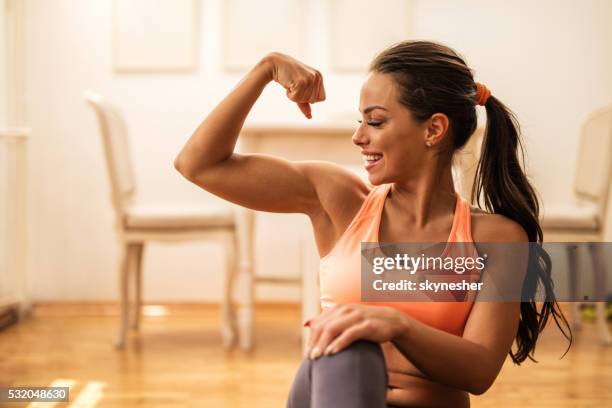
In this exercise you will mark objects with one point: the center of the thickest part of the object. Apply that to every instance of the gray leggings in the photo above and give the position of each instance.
(355, 377)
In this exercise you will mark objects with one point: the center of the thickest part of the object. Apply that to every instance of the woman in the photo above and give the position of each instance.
(419, 107)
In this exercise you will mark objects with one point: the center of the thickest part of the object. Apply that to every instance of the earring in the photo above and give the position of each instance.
(428, 143)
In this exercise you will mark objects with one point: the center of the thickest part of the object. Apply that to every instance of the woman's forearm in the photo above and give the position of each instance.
(448, 359)
(215, 138)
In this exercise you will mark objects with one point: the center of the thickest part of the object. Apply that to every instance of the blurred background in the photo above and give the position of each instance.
(69, 68)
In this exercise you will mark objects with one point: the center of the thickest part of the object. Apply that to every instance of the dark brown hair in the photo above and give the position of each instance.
(433, 78)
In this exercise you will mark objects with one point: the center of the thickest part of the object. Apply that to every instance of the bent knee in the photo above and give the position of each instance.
(360, 366)
(362, 347)
(364, 353)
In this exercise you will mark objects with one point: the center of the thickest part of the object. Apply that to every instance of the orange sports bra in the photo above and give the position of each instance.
(340, 269)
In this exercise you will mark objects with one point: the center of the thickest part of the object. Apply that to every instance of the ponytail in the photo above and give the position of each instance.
(503, 186)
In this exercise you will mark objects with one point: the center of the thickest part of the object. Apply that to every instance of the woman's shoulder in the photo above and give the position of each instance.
(341, 191)
(335, 183)
(488, 227)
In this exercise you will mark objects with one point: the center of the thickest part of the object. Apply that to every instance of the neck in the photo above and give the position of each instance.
(424, 198)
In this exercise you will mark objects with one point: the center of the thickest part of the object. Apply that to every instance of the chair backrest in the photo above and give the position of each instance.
(594, 165)
(116, 151)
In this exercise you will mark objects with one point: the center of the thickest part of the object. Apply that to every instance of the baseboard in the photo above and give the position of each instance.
(153, 309)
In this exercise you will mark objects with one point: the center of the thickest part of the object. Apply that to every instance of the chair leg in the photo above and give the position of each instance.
(602, 324)
(228, 317)
(245, 277)
(245, 308)
(574, 283)
(599, 272)
(124, 274)
(137, 271)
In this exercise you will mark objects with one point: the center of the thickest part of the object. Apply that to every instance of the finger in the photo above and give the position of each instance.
(318, 325)
(294, 91)
(314, 89)
(301, 89)
(333, 329)
(311, 89)
(321, 94)
(318, 322)
(291, 91)
(319, 89)
(305, 108)
(355, 332)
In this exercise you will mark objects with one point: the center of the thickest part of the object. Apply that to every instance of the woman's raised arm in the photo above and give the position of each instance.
(258, 181)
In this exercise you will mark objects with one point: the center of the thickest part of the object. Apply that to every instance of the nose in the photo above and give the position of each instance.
(359, 137)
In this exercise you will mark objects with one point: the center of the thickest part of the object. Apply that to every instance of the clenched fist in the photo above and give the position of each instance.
(304, 84)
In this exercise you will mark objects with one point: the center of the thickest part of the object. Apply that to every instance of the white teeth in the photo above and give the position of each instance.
(372, 157)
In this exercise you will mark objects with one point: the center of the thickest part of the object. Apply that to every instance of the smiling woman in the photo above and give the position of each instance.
(419, 107)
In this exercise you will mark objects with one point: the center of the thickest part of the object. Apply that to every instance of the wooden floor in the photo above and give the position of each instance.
(177, 361)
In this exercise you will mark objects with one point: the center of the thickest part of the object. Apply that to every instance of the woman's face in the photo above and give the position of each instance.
(391, 141)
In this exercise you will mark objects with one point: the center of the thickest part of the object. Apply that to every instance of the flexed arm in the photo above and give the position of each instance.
(258, 181)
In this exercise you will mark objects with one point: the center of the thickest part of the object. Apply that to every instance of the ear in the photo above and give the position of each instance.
(437, 128)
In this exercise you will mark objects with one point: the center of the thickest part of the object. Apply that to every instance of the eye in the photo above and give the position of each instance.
(374, 124)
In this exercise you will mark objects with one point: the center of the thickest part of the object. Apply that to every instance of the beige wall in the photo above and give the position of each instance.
(548, 60)
(3, 61)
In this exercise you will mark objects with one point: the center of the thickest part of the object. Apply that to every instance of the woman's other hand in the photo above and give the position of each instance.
(303, 83)
(339, 326)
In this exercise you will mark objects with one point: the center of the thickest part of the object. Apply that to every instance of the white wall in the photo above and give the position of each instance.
(3, 204)
(3, 62)
(549, 61)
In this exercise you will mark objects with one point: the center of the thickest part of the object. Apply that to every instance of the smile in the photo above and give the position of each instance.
(371, 160)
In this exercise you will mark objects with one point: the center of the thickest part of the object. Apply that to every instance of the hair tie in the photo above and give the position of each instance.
(482, 94)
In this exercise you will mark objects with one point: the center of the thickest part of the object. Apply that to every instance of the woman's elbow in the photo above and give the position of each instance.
(478, 390)
(178, 164)
(481, 386)
(182, 167)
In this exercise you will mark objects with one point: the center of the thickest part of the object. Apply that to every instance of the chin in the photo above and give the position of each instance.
(375, 179)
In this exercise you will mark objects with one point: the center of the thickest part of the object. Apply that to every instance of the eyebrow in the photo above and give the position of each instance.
(371, 108)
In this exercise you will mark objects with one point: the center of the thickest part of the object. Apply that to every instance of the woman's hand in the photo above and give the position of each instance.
(337, 327)
(304, 84)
